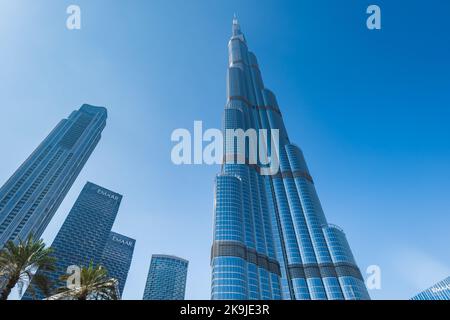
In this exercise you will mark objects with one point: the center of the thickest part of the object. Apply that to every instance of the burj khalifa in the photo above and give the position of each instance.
(271, 239)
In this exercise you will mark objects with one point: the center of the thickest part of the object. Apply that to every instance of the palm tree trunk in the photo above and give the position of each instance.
(82, 295)
(9, 286)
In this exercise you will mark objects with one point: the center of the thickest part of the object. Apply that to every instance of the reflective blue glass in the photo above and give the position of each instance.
(271, 237)
(166, 278)
(440, 291)
(30, 198)
(117, 256)
(82, 239)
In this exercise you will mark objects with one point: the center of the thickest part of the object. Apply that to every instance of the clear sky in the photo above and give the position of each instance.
(370, 109)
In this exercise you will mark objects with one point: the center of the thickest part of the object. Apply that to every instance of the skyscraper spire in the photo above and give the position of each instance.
(235, 20)
(237, 28)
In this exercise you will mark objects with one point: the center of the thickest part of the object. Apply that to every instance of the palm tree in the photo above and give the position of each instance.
(19, 262)
(94, 285)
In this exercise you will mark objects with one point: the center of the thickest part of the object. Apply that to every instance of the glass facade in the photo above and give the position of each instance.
(30, 198)
(117, 257)
(85, 232)
(271, 237)
(166, 278)
(440, 291)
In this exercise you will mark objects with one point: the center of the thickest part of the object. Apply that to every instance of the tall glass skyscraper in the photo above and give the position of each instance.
(30, 198)
(117, 257)
(166, 278)
(85, 232)
(440, 291)
(271, 237)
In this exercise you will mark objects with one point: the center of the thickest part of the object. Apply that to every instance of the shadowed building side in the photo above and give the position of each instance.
(30, 198)
(84, 234)
(117, 257)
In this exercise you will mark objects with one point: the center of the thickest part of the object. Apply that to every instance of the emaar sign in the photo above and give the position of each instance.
(108, 194)
(122, 241)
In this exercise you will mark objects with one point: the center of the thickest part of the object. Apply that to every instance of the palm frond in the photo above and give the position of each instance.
(95, 285)
(19, 260)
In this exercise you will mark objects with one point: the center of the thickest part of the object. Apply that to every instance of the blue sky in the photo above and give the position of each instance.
(370, 110)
